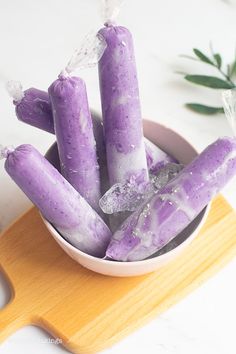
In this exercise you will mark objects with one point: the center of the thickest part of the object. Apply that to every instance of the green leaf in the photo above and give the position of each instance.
(228, 70)
(218, 60)
(233, 69)
(202, 109)
(202, 56)
(209, 81)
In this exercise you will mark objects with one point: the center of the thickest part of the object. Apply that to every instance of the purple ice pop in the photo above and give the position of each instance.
(34, 109)
(156, 158)
(101, 152)
(121, 107)
(57, 200)
(75, 138)
(168, 212)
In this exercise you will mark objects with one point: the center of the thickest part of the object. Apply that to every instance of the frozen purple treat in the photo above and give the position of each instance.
(168, 212)
(34, 109)
(75, 138)
(156, 158)
(129, 196)
(121, 107)
(101, 152)
(57, 200)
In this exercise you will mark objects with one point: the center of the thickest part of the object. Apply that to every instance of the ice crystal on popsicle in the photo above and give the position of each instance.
(130, 195)
(166, 174)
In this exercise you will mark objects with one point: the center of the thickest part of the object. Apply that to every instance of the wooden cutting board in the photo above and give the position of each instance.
(90, 312)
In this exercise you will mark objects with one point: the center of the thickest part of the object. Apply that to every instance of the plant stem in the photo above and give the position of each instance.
(225, 76)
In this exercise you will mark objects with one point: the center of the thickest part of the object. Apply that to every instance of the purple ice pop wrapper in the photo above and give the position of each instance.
(75, 138)
(32, 106)
(37, 114)
(121, 107)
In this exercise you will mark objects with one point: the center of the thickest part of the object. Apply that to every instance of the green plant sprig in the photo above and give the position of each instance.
(226, 81)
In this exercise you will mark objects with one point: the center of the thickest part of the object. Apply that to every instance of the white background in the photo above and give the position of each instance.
(37, 39)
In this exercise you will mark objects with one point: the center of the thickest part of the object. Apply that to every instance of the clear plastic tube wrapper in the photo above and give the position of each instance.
(73, 124)
(75, 139)
(121, 109)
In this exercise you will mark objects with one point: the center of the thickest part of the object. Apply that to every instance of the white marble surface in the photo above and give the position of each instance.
(37, 38)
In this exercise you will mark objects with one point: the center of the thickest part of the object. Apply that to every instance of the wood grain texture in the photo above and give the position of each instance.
(88, 311)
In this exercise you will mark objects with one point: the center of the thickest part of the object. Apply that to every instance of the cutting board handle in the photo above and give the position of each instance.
(11, 319)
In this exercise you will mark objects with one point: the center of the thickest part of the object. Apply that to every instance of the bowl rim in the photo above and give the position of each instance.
(61, 239)
(80, 253)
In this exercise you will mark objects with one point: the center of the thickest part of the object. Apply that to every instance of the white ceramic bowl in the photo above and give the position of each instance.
(178, 147)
